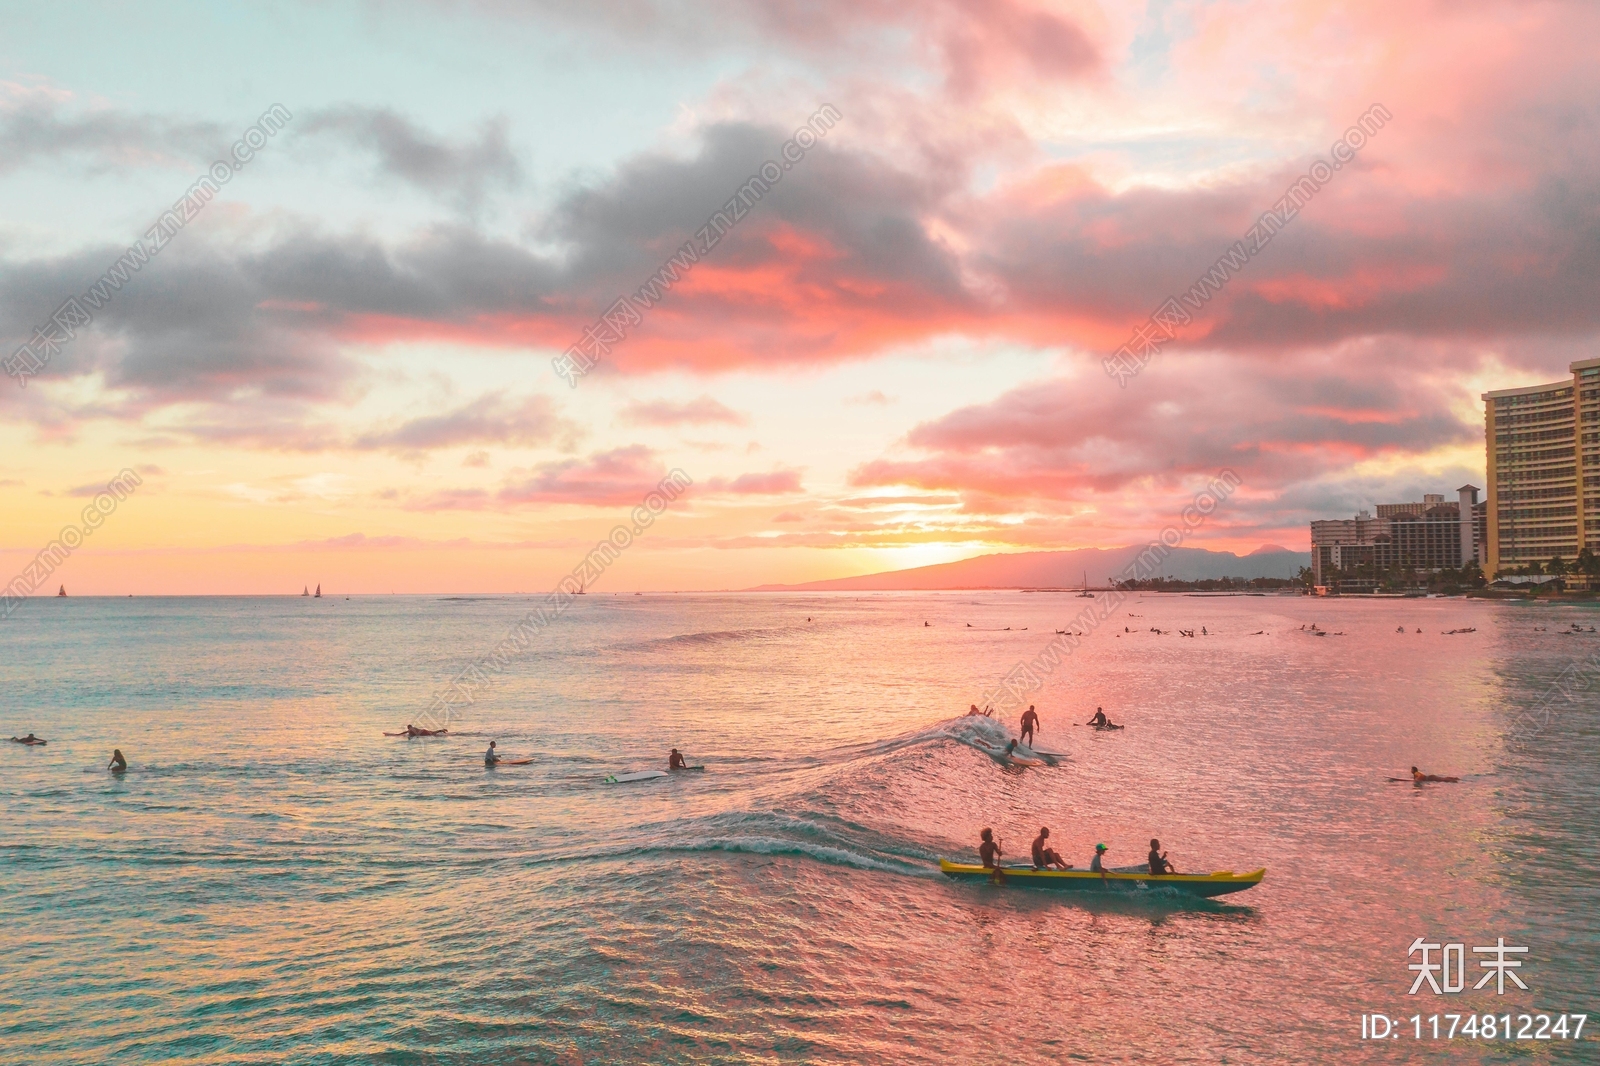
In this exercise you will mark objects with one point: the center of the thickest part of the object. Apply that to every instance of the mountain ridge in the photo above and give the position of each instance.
(1058, 569)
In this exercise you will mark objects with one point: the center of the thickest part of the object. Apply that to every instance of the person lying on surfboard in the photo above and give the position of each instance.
(1043, 857)
(29, 739)
(675, 761)
(1419, 777)
(413, 731)
(1159, 863)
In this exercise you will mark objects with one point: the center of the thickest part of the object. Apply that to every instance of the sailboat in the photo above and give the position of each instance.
(1086, 594)
(305, 590)
(63, 591)
(318, 596)
(580, 589)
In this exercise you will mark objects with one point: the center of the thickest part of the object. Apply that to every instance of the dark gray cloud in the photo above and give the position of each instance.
(36, 128)
(462, 171)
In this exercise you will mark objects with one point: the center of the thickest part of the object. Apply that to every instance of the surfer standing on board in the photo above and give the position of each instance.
(1030, 722)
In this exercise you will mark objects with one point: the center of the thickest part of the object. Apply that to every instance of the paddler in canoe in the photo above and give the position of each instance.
(1043, 857)
(989, 855)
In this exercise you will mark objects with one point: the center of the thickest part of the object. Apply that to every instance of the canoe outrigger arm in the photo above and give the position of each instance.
(1219, 883)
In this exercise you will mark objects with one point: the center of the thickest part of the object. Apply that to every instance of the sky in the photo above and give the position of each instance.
(339, 365)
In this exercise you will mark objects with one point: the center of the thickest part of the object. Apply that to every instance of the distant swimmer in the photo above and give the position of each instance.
(1030, 722)
(1159, 864)
(675, 761)
(1095, 865)
(1043, 857)
(117, 763)
(1419, 777)
(491, 756)
(29, 739)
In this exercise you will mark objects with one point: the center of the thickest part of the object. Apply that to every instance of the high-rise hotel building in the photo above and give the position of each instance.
(1543, 445)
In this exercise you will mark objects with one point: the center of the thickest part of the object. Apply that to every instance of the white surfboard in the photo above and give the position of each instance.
(637, 775)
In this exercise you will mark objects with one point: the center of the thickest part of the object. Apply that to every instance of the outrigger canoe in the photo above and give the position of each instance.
(1213, 884)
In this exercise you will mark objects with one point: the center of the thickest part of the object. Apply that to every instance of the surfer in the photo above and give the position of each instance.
(1030, 722)
(1043, 857)
(1419, 777)
(675, 761)
(1011, 749)
(117, 763)
(491, 756)
(973, 712)
(1159, 863)
(1100, 721)
(414, 731)
(29, 739)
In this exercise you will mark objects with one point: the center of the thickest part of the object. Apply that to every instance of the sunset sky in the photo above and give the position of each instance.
(339, 370)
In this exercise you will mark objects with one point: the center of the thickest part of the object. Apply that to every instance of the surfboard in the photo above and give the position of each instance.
(513, 762)
(1015, 759)
(681, 769)
(637, 775)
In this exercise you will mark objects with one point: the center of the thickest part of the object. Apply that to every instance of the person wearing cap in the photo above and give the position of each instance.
(1095, 865)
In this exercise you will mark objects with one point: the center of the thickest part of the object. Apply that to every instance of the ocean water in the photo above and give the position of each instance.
(275, 881)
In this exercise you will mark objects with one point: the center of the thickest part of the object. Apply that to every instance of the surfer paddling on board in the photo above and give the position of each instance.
(675, 761)
(989, 853)
(1419, 777)
(29, 739)
(1030, 722)
(1043, 857)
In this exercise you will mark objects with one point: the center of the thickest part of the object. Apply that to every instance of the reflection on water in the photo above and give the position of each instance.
(274, 880)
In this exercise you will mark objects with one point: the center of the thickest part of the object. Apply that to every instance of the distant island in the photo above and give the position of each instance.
(1063, 570)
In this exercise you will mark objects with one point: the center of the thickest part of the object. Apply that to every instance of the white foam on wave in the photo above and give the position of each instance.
(762, 845)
